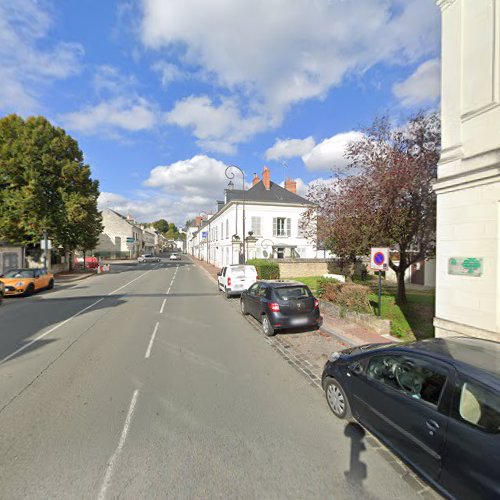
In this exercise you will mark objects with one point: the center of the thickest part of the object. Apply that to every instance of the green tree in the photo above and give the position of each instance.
(161, 225)
(45, 185)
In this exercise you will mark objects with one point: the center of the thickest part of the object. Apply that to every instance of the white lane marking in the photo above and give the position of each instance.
(36, 339)
(168, 291)
(163, 306)
(150, 346)
(112, 461)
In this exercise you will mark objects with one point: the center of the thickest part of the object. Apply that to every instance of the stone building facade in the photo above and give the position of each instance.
(468, 184)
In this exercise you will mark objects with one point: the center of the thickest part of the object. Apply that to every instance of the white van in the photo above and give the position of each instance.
(233, 280)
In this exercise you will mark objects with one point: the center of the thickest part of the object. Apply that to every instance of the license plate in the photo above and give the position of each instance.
(238, 286)
(298, 321)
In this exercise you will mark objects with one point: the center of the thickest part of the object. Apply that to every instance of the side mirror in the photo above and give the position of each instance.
(356, 368)
(219, 274)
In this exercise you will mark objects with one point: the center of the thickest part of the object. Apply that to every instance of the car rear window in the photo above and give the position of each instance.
(293, 293)
(243, 271)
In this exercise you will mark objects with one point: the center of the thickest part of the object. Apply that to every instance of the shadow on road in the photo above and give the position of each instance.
(357, 472)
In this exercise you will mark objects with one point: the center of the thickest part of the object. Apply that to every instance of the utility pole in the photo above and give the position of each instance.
(45, 249)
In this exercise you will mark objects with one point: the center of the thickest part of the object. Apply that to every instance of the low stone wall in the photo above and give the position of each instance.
(291, 268)
(379, 325)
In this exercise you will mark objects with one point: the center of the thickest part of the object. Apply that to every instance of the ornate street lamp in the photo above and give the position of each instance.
(230, 175)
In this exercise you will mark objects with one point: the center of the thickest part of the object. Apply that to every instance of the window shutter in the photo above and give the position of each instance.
(256, 226)
(289, 227)
(275, 226)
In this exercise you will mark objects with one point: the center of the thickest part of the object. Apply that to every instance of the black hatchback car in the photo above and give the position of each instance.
(280, 304)
(436, 403)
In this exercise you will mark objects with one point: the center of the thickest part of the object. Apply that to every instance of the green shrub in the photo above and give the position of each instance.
(348, 296)
(323, 283)
(266, 270)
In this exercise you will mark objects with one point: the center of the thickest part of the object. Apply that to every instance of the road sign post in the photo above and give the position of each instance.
(379, 261)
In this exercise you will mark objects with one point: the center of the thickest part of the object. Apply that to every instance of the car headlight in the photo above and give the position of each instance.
(334, 356)
(20, 283)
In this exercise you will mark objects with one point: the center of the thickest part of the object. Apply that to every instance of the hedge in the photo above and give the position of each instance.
(266, 270)
(348, 296)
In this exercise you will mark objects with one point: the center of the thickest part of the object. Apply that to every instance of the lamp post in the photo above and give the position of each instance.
(230, 175)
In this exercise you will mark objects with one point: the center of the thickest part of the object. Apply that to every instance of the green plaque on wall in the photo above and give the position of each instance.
(465, 266)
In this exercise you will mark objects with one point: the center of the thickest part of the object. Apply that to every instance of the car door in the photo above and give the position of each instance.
(221, 278)
(38, 280)
(400, 398)
(252, 299)
(472, 457)
(44, 282)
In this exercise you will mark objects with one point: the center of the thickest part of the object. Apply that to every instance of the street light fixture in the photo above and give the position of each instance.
(230, 175)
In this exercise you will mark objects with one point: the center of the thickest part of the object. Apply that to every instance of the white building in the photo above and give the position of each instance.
(149, 239)
(121, 236)
(272, 220)
(468, 184)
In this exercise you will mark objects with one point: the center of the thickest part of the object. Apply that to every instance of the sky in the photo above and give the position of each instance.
(163, 95)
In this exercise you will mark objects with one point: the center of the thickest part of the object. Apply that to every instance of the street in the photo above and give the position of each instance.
(148, 383)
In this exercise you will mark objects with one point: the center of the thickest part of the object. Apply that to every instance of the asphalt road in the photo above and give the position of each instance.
(147, 383)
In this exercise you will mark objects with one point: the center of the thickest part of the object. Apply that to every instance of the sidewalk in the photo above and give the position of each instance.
(345, 331)
(69, 277)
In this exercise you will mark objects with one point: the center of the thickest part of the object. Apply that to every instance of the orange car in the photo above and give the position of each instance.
(26, 281)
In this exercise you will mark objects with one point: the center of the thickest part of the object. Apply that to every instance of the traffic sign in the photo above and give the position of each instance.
(49, 244)
(379, 260)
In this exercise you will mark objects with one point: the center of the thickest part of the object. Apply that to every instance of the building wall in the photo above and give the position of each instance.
(113, 239)
(217, 247)
(302, 269)
(468, 185)
(10, 257)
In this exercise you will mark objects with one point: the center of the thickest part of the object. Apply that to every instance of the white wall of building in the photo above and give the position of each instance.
(468, 185)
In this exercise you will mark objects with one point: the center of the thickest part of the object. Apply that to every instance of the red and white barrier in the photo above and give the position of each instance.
(104, 268)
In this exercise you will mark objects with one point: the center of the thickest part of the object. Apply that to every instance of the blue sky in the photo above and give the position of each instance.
(162, 95)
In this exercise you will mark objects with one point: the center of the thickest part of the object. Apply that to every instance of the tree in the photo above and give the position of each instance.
(45, 186)
(389, 201)
(161, 225)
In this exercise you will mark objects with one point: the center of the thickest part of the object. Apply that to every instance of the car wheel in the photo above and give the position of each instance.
(228, 295)
(50, 285)
(337, 399)
(243, 307)
(30, 290)
(267, 327)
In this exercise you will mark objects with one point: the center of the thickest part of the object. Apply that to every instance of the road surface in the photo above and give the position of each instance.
(147, 383)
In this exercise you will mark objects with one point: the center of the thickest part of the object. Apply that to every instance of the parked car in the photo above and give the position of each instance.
(2, 292)
(436, 403)
(235, 279)
(280, 304)
(26, 281)
(148, 257)
(174, 256)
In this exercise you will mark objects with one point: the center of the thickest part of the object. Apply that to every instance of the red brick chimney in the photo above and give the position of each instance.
(266, 178)
(291, 185)
(256, 179)
(198, 220)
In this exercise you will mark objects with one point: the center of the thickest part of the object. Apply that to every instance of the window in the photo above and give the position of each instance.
(293, 293)
(480, 407)
(256, 226)
(282, 226)
(253, 289)
(280, 253)
(413, 377)
(300, 229)
(227, 228)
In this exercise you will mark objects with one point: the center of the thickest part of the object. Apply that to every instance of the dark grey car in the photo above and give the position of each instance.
(436, 403)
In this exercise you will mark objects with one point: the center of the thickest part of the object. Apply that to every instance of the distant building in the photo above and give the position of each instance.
(272, 225)
(468, 183)
(10, 257)
(122, 237)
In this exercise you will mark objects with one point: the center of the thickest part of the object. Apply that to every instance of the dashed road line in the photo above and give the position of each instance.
(112, 461)
(150, 345)
(163, 306)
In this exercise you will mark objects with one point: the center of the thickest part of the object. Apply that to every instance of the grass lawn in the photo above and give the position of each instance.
(413, 321)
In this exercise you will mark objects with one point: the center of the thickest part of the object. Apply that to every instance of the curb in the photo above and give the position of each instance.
(63, 281)
(338, 336)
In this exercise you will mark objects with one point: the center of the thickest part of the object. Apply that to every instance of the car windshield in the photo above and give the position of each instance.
(20, 273)
(293, 292)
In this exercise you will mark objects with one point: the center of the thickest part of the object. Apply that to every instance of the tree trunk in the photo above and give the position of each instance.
(70, 257)
(401, 296)
(84, 253)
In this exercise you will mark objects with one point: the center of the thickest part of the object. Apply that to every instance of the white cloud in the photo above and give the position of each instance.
(217, 127)
(26, 68)
(176, 192)
(329, 154)
(168, 72)
(279, 52)
(290, 148)
(200, 177)
(423, 86)
(131, 114)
